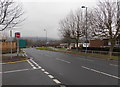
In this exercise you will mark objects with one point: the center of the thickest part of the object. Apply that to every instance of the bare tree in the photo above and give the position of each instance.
(105, 22)
(72, 27)
(10, 14)
(65, 31)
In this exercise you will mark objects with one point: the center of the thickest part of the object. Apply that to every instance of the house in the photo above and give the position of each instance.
(118, 41)
(99, 43)
(104, 42)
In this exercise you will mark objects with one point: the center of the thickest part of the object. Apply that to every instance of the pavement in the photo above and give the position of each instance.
(24, 73)
(54, 68)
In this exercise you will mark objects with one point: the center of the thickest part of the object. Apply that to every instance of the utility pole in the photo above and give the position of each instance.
(86, 28)
(46, 36)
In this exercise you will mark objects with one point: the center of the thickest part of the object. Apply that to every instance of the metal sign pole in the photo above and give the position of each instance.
(17, 35)
(17, 46)
(11, 42)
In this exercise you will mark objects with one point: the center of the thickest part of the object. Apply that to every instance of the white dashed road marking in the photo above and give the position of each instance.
(46, 72)
(43, 69)
(31, 64)
(24, 53)
(114, 65)
(36, 64)
(63, 60)
(100, 72)
(86, 59)
(56, 81)
(16, 70)
(51, 76)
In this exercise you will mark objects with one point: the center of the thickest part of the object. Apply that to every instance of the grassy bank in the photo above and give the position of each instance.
(82, 53)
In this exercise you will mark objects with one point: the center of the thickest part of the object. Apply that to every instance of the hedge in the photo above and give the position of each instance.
(116, 49)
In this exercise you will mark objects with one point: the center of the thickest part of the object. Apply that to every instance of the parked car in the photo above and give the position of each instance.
(68, 49)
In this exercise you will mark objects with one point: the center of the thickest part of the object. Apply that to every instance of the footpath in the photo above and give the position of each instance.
(13, 58)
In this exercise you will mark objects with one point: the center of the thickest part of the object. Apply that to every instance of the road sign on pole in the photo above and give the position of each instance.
(17, 35)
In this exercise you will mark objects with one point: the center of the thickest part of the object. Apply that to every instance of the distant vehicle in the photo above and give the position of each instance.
(68, 49)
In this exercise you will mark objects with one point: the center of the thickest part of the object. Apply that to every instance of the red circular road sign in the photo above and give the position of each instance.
(17, 35)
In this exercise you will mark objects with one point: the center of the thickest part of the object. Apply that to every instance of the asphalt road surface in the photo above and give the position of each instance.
(52, 68)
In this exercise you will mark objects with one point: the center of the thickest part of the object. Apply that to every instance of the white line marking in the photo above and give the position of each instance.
(86, 59)
(25, 54)
(31, 64)
(43, 69)
(51, 76)
(16, 70)
(100, 72)
(36, 64)
(46, 72)
(114, 65)
(63, 60)
(55, 80)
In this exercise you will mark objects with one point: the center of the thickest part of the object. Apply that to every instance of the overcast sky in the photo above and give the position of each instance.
(46, 14)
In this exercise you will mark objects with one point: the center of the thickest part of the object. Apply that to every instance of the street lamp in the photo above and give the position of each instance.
(11, 42)
(86, 27)
(46, 36)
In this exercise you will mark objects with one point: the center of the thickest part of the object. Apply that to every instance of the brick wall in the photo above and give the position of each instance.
(98, 43)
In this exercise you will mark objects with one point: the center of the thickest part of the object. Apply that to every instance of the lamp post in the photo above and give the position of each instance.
(11, 42)
(46, 36)
(118, 10)
(86, 27)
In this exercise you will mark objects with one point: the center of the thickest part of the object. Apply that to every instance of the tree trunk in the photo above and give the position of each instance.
(69, 44)
(111, 47)
(77, 48)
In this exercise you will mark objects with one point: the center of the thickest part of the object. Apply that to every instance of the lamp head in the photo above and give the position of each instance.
(83, 7)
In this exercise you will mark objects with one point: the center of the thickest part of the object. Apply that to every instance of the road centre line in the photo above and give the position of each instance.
(100, 72)
(46, 72)
(63, 60)
(25, 54)
(35, 63)
(86, 59)
(56, 81)
(31, 64)
(51, 76)
(114, 65)
(43, 69)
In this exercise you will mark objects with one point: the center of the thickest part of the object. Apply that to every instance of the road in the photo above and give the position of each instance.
(60, 68)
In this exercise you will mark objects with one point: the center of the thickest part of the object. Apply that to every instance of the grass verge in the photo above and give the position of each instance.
(94, 55)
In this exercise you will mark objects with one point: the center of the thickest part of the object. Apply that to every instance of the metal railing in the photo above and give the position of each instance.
(102, 52)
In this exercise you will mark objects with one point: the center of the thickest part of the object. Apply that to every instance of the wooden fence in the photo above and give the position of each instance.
(6, 47)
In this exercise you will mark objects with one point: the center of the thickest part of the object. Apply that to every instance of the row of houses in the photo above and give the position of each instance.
(93, 43)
